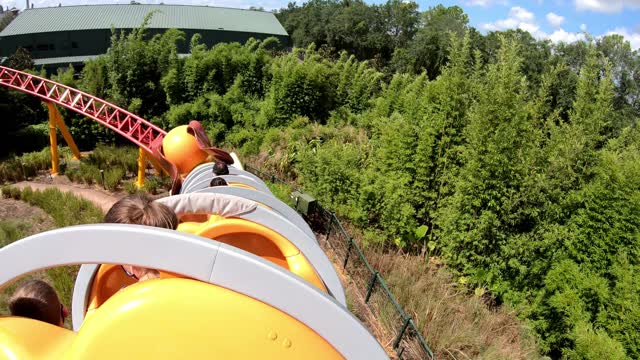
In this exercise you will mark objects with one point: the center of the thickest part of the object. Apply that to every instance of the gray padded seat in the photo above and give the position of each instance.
(194, 257)
(307, 245)
(203, 184)
(270, 201)
(204, 171)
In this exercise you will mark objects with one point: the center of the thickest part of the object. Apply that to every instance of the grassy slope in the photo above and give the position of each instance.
(457, 323)
(65, 209)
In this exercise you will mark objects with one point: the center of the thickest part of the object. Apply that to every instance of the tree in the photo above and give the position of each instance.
(20, 60)
(402, 20)
(6, 19)
(136, 67)
(625, 72)
(494, 201)
(535, 53)
(429, 50)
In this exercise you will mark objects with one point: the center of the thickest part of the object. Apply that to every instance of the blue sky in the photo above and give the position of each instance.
(558, 20)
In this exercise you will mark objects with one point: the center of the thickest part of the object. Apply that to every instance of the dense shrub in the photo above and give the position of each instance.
(30, 164)
(66, 209)
(112, 178)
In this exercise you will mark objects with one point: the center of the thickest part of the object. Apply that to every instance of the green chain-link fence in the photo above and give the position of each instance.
(408, 342)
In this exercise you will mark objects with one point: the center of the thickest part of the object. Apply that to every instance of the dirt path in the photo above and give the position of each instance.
(101, 199)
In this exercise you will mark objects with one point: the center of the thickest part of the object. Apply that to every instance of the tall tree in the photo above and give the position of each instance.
(429, 50)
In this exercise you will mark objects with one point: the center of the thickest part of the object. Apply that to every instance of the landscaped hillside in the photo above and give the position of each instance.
(514, 161)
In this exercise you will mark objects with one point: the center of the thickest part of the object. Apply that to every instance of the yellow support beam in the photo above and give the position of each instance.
(142, 165)
(53, 141)
(64, 131)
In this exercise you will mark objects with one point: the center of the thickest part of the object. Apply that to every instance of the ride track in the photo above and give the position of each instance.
(138, 130)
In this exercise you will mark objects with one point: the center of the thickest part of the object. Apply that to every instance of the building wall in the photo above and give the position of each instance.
(96, 42)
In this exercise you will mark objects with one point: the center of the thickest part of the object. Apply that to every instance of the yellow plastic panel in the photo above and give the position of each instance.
(258, 240)
(241, 185)
(108, 280)
(28, 339)
(188, 319)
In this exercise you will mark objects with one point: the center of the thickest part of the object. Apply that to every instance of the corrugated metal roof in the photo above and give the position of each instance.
(66, 60)
(93, 17)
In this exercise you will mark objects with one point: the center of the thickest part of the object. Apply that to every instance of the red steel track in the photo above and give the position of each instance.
(131, 126)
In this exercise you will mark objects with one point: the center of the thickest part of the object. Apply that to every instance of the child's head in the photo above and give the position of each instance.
(37, 300)
(217, 181)
(220, 168)
(140, 209)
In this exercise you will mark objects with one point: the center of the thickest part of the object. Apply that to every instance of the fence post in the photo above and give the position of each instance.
(346, 258)
(405, 324)
(329, 226)
(372, 284)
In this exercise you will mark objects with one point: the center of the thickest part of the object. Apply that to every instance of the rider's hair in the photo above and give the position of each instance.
(220, 168)
(140, 209)
(217, 181)
(37, 300)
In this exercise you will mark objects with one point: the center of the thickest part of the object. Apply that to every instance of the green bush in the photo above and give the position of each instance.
(112, 178)
(66, 209)
(89, 174)
(25, 166)
(108, 156)
(131, 187)
(594, 345)
(151, 185)
(11, 231)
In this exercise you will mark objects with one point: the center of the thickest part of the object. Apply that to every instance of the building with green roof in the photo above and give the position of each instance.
(58, 36)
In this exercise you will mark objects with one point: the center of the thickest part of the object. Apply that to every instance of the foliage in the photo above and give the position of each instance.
(109, 156)
(107, 165)
(11, 231)
(20, 60)
(28, 165)
(112, 178)
(66, 209)
(135, 67)
(5, 19)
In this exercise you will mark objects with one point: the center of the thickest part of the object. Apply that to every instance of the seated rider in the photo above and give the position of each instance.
(220, 168)
(140, 209)
(37, 300)
(218, 181)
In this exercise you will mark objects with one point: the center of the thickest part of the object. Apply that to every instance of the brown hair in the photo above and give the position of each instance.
(140, 209)
(218, 181)
(37, 300)
(220, 168)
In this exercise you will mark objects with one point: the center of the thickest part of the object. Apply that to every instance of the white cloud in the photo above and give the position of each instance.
(485, 3)
(583, 27)
(520, 18)
(606, 6)
(555, 20)
(521, 14)
(561, 35)
(632, 37)
(479, 2)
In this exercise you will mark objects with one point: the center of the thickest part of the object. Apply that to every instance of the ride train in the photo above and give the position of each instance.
(243, 277)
